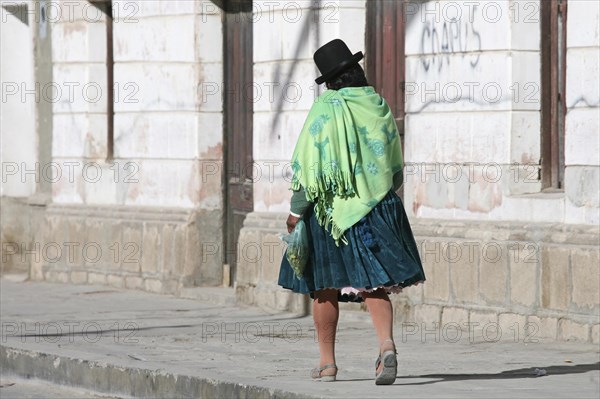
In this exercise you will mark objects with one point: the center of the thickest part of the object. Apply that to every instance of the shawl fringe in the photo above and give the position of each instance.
(336, 183)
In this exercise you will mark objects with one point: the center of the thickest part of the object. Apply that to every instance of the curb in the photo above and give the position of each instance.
(125, 381)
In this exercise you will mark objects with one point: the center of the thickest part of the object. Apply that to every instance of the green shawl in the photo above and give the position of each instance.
(346, 156)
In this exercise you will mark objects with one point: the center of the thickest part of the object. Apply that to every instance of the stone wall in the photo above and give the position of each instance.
(166, 162)
(543, 277)
(510, 272)
(138, 248)
(259, 256)
(20, 219)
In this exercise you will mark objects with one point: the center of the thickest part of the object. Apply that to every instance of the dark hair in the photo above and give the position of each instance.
(354, 76)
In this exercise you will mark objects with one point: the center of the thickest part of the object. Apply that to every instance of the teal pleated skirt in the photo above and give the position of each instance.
(381, 253)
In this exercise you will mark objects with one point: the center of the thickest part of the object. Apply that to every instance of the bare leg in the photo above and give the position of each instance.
(380, 308)
(326, 313)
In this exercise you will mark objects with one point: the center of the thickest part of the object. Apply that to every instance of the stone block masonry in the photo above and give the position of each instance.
(153, 249)
(498, 281)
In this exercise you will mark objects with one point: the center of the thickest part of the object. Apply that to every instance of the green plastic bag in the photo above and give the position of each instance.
(297, 251)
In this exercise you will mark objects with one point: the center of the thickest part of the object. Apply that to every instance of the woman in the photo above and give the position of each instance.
(347, 164)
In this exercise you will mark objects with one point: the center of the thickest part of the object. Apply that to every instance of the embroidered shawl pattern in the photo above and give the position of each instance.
(346, 156)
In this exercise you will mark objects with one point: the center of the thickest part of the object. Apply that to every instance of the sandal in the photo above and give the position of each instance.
(316, 373)
(387, 375)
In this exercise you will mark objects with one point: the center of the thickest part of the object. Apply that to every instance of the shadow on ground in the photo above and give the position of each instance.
(528, 372)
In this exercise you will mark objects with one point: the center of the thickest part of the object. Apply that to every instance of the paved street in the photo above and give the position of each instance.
(133, 343)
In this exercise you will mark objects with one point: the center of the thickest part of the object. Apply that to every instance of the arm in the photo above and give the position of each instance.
(299, 204)
(398, 180)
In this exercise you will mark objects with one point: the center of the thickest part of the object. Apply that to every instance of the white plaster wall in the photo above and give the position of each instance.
(18, 140)
(286, 35)
(465, 78)
(165, 128)
(473, 101)
(79, 116)
(582, 133)
(168, 132)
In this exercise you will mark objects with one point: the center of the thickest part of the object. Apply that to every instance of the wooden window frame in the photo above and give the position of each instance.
(385, 56)
(553, 25)
(238, 114)
(106, 6)
(385, 69)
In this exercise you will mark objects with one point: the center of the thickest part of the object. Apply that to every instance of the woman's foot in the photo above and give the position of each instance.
(327, 373)
(386, 365)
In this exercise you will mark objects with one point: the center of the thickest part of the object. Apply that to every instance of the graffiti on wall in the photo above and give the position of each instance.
(453, 29)
(440, 41)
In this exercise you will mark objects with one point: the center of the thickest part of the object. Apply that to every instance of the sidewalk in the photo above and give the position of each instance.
(21, 388)
(132, 343)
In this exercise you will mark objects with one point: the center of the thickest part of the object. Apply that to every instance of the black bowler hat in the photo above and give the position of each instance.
(333, 58)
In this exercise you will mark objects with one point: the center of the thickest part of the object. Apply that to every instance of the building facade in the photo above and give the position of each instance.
(146, 145)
